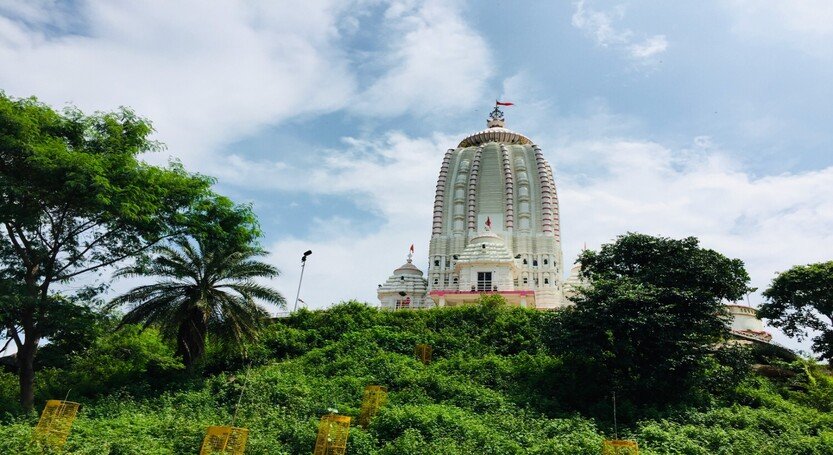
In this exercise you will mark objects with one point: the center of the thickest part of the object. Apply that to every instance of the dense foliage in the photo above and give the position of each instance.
(492, 388)
(200, 287)
(801, 299)
(74, 199)
(648, 322)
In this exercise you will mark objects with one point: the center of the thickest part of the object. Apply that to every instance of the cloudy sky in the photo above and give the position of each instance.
(711, 119)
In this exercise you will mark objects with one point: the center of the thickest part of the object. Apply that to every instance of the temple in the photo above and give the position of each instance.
(497, 230)
(496, 227)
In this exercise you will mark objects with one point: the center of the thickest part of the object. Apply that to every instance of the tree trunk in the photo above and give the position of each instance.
(26, 374)
(191, 338)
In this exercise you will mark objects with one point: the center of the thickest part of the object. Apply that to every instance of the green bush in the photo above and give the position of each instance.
(491, 389)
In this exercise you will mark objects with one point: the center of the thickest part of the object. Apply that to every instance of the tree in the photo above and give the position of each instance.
(801, 299)
(75, 199)
(649, 316)
(204, 288)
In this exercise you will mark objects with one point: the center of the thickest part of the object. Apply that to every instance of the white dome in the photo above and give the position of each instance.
(407, 268)
(486, 247)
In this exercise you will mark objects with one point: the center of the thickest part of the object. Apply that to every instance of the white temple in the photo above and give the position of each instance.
(496, 230)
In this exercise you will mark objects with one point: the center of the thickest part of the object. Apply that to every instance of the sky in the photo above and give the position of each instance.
(710, 119)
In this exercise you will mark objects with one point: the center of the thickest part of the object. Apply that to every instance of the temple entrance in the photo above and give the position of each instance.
(484, 281)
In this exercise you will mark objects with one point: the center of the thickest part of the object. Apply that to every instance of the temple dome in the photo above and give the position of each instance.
(406, 288)
(486, 247)
(407, 268)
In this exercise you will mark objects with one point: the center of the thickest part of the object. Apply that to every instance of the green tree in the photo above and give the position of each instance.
(74, 199)
(801, 299)
(204, 287)
(649, 316)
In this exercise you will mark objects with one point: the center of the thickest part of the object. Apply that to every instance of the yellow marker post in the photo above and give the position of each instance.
(332, 435)
(619, 447)
(224, 441)
(423, 353)
(55, 423)
(374, 398)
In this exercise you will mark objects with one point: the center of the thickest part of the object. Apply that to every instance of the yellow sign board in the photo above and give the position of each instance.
(374, 398)
(55, 423)
(332, 435)
(224, 441)
(620, 447)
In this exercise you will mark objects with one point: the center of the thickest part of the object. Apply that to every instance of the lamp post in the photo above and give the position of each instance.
(300, 280)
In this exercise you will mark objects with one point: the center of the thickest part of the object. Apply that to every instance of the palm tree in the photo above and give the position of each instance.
(202, 288)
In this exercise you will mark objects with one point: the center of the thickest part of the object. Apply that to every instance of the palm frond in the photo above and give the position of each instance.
(202, 288)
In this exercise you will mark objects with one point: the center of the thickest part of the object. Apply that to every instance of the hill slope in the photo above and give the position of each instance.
(491, 389)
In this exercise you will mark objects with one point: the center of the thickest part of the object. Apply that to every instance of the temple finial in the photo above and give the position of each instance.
(496, 117)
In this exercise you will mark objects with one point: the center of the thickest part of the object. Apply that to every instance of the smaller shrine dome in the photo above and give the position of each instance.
(408, 268)
(485, 247)
(405, 289)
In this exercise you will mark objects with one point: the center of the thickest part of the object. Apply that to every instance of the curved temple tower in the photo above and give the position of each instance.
(496, 230)
(496, 224)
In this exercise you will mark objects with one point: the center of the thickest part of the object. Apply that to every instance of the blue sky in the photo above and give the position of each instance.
(710, 119)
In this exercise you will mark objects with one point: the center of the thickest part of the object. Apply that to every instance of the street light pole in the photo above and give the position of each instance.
(303, 264)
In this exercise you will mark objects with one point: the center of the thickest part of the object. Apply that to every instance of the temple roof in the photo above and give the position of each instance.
(494, 134)
(407, 268)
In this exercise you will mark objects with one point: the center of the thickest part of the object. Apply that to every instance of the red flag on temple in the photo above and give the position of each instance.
(503, 103)
(489, 222)
(412, 248)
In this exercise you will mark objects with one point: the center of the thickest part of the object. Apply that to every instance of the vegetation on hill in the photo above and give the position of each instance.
(494, 387)
(76, 199)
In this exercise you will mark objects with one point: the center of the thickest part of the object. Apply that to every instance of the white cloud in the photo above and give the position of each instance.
(651, 46)
(806, 25)
(600, 26)
(435, 62)
(203, 78)
(212, 77)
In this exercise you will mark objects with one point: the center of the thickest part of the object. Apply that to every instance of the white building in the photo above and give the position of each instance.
(496, 224)
(496, 230)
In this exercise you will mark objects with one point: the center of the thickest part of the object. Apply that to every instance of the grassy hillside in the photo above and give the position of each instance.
(492, 389)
